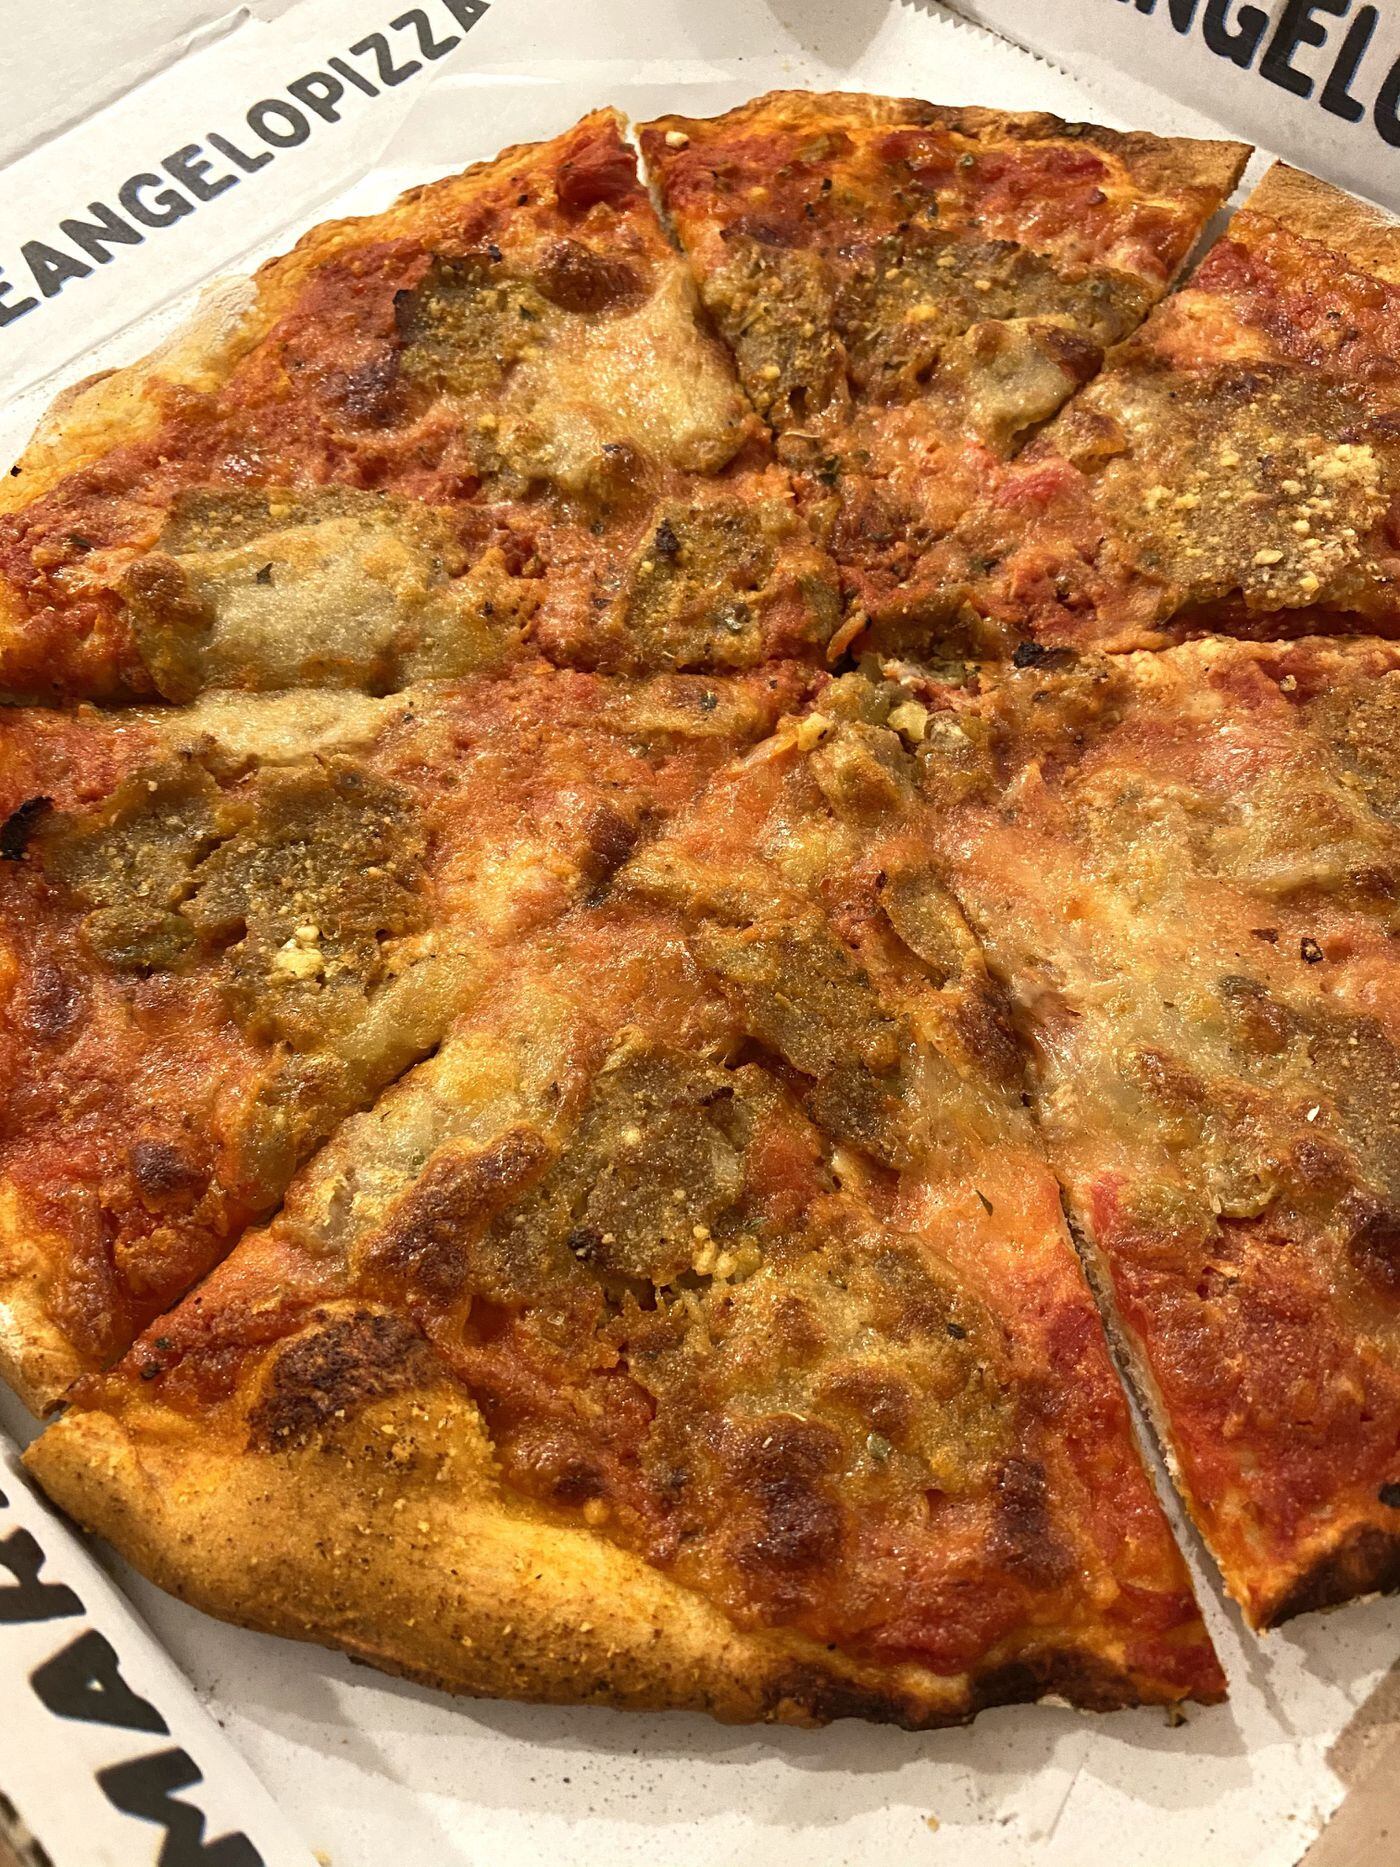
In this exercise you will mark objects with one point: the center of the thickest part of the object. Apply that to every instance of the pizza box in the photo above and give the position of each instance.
(135, 1730)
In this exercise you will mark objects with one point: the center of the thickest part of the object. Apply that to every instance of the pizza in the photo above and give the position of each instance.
(719, 1236)
(1182, 868)
(405, 446)
(1232, 471)
(682, 851)
(230, 925)
(910, 290)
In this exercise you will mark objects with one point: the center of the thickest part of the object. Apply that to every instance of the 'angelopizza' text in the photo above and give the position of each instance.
(173, 186)
(1315, 49)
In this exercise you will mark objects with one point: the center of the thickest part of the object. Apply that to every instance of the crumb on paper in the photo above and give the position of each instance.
(931, 1823)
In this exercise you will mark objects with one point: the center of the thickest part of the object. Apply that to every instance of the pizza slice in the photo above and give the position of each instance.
(1183, 868)
(227, 927)
(697, 1328)
(909, 289)
(411, 448)
(1234, 469)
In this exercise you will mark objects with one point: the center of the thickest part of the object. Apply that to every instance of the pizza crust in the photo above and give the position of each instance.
(388, 1537)
(1314, 210)
(84, 420)
(36, 1358)
(1160, 164)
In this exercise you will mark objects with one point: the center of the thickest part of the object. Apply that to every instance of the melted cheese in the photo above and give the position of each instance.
(278, 729)
(342, 591)
(649, 379)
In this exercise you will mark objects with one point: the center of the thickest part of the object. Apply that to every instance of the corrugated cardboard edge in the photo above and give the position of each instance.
(952, 9)
(1366, 1756)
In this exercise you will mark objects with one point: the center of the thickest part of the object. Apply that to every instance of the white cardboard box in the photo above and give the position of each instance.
(367, 1770)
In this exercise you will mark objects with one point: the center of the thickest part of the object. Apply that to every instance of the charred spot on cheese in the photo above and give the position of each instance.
(339, 1366)
(319, 869)
(1041, 655)
(575, 278)
(799, 992)
(170, 1172)
(1023, 1535)
(1258, 1024)
(47, 1003)
(20, 825)
(784, 1471)
(427, 1242)
(1374, 1248)
(1255, 480)
(130, 860)
(706, 576)
(610, 836)
(336, 587)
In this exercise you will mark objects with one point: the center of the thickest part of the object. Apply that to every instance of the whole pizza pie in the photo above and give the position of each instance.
(671, 837)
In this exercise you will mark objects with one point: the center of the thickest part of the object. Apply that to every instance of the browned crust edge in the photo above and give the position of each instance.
(37, 1360)
(1364, 1559)
(1315, 210)
(454, 1585)
(1361, 1557)
(1158, 162)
